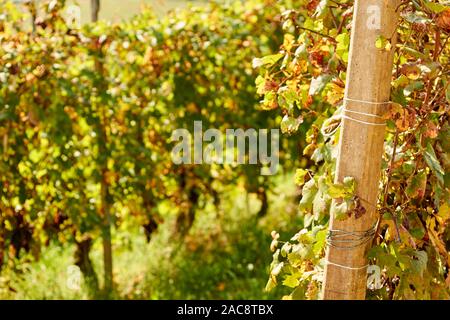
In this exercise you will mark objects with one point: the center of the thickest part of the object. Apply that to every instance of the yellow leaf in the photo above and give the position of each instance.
(411, 70)
(444, 211)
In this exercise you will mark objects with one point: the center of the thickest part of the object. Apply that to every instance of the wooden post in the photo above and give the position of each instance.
(105, 211)
(95, 9)
(368, 86)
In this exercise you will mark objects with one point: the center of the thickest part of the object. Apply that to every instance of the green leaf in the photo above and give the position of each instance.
(320, 241)
(271, 284)
(447, 180)
(350, 185)
(308, 220)
(342, 190)
(267, 61)
(292, 280)
(339, 210)
(435, 7)
(417, 185)
(300, 176)
(444, 211)
(301, 52)
(419, 262)
(6, 115)
(287, 97)
(321, 9)
(300, 252)
(414, 53)
(417, 233)
(318, 155)
(289, 125)
(308, 193)
(413, 17)
(270, 101)
(299, 293)
(302, 236)
(319, 205)
(433, 163)
(257, 62)
(318, 84)
(287, 24)
(414, 86)
(277, 269)
(336, 191)
(447, 91)
(260, 85)
(285, 249)
(382, 43)
(342, 47)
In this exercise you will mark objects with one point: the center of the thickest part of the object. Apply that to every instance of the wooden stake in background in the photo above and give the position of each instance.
(361, 141)
(95, 9)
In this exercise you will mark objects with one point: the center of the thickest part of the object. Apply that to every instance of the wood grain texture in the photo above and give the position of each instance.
(361, 146)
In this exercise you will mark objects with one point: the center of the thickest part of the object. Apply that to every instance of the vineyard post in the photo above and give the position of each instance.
(105, 194)
(95, 9)
(361, 142)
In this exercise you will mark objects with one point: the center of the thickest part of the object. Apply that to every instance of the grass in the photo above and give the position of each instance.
(225, 256)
